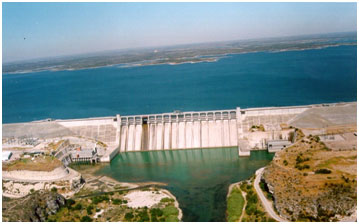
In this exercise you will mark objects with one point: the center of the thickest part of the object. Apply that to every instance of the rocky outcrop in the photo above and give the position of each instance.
(33, 208)
(66, 186)
(27, 175)
(293, 202)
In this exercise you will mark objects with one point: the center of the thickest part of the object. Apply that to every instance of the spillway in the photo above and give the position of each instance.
(181, 135)
(206, 129)
(138, 138)
(167, 136)
(123, 144)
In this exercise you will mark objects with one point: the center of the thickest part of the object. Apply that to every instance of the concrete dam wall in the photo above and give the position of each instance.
(187, 130)
(178, 130)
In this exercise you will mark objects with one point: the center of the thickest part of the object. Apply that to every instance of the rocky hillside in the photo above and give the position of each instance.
(310, 182)
(35, 207)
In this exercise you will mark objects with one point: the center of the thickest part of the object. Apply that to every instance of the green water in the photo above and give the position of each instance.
(199, 178)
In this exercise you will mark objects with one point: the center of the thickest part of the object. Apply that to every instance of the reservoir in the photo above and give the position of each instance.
(244, 80)
(199, 178)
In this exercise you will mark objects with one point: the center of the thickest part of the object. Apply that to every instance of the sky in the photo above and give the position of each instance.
(37, 30)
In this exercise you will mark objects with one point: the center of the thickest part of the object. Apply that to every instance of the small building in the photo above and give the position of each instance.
(6, 155)
(277, 145)
(84, 155)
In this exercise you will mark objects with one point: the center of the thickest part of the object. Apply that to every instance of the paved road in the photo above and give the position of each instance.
(265, 202)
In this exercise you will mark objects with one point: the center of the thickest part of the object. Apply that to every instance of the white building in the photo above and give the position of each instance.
(277, 145)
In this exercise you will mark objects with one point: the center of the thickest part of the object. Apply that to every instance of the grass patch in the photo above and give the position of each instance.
(235, 203)
(170, 210)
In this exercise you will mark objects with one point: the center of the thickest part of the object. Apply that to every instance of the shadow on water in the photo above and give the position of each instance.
(199, 178)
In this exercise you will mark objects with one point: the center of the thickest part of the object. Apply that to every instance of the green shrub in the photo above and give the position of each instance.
(69, 203)
(167, 200)
(170, 210)
(285, 162)
(129, 216)
(78, 206)
(302, 167)
(243, 186)
(99, 199)
(54, 189)
(89, 209)
(252, 199)
(116, 201)
(154, 218)
(171, 218)
(86, 219)
(323, 171)
(250, 209)
(156, 212)
(143, 216)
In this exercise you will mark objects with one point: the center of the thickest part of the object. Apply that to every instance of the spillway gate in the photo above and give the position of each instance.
(179, 130)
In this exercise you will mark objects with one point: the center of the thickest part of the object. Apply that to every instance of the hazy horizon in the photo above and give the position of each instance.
(103, 52)
(34, 31)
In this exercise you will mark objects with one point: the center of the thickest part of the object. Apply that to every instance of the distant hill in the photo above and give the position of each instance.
(191, 53)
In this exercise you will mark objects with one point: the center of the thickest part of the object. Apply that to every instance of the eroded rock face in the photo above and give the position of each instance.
(294, 202)
(77, 183)
(33, 208)
(45, 204)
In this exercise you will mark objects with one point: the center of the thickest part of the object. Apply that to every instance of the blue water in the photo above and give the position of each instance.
(244, 80)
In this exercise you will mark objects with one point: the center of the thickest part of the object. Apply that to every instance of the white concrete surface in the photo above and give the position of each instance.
(233, 132)
(211, 134)
(138, 137)
(189, 134)
(167, 136)
(123, 138)
(226, 135)
(131, 138)
(87, 122)
(219, 133)
(174, 137)
(204, 134)
(159, 136)
(181, 135)
(196, 141)
(152, 137)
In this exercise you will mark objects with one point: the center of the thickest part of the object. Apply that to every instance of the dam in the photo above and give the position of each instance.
(247, 129)
(188, 130)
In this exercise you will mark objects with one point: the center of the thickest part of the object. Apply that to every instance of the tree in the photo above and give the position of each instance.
(85, 219)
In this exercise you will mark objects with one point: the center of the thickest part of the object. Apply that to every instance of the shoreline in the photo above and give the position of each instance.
(217, 57)
(89, 175)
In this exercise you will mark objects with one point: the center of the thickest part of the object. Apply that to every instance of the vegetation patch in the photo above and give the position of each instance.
(235, 203)
(115, 209)
(253, 211)
(40, 163)
(323, 171)
(257, 128)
